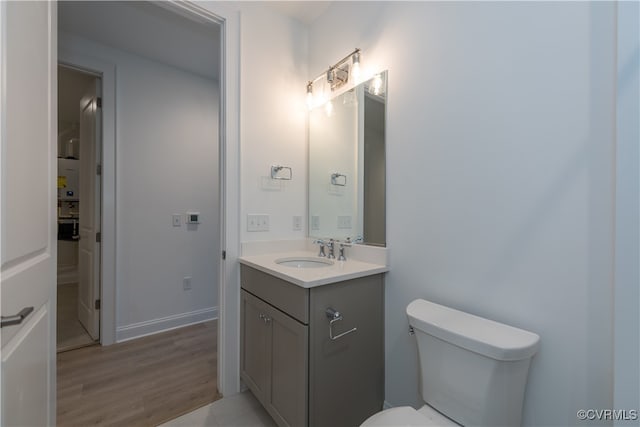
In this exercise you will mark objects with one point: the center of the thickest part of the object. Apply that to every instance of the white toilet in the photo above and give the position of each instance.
(473, 370)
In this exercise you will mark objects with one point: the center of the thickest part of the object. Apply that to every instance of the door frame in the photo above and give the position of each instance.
(106, 72)
(228, 18)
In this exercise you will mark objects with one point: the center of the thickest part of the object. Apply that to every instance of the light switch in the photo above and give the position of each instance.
(257, 222)
(176, 220)
(263, 222)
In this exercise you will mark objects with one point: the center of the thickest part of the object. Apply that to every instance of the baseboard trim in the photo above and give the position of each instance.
(163, 324)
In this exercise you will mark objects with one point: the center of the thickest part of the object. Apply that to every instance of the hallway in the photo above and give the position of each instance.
(70, 332)
(143, 382)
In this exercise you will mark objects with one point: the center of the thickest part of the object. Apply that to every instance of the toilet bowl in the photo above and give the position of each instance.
(473, 370)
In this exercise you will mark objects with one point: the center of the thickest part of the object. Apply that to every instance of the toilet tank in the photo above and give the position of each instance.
(473, 370)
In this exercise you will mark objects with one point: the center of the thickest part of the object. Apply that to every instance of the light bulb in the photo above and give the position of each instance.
(328, 108)
(309, 95)
(355, 70)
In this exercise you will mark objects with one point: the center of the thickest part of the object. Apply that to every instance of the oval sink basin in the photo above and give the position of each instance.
(304, 262)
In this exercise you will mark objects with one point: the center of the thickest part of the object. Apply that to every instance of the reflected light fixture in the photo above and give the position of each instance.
(336, 76)
(376, 85)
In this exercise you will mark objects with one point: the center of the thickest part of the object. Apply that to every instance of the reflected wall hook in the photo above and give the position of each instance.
(338, 179)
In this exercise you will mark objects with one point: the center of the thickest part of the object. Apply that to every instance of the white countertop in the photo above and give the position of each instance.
(311, 277)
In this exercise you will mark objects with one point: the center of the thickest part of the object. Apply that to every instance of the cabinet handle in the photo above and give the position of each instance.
(264, 318)
(334, 316)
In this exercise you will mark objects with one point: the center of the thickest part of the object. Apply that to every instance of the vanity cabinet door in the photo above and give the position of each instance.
(256, 338)
(289, 357)
(274, 360)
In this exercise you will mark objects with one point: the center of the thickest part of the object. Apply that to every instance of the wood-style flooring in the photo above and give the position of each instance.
(143, 382)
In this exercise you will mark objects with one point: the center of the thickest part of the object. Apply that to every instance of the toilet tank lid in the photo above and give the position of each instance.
(487, 337)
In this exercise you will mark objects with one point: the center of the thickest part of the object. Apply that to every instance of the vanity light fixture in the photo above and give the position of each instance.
(310, 95)
(336, 75)
(328, 108)
(376, 85)
(355, 69)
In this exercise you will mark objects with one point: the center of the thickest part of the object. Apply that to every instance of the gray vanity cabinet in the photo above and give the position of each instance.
(274, 360)
(290, 363)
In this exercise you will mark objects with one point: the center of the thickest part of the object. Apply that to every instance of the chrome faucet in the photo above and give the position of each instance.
(331, 246)
(321, 243)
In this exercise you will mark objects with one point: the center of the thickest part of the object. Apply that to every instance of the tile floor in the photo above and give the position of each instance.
(70, 333)
(239, 410)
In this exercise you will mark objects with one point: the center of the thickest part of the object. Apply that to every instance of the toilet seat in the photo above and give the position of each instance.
(409, 417)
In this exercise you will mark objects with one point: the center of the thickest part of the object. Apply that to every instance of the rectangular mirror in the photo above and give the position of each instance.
(347, 165)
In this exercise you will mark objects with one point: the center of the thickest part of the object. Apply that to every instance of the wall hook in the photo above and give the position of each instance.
(276, 169)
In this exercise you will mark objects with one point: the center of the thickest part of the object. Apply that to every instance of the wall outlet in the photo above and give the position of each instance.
(176, 220)
(297, 223)
(257, 222)
(186, 283)
(315, 222)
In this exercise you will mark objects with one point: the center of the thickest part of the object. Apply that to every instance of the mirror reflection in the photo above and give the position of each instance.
(347, 165)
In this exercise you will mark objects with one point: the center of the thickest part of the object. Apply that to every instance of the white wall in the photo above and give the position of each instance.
(627, 274)
(273, 126)
(167, 162)
(500, 179)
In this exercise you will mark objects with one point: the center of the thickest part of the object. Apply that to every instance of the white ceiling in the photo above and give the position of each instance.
(304, 11)
(145, 29)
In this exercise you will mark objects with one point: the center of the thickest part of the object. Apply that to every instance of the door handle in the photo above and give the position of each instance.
(16, 319)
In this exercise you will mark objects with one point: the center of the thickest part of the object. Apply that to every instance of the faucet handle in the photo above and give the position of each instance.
(341, 256)
(331, 245)
(321, 243)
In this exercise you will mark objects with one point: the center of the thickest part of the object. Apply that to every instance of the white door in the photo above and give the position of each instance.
(89, 219)
(28, 252)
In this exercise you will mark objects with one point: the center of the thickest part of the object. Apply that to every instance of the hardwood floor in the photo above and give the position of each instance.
(143, 382)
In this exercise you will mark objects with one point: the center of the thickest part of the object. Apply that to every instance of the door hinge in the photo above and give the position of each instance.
(224, 255)
(99, 102)
(97, 304)
(98, 169)
(98, 237)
